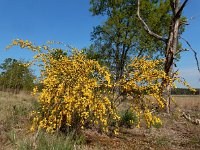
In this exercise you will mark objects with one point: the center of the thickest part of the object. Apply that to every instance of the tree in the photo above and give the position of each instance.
(92, 53)
(15, 76)
(121, 35)
(170, 42)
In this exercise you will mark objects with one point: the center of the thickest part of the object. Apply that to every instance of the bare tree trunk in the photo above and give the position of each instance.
(171, 47)
(171, 43)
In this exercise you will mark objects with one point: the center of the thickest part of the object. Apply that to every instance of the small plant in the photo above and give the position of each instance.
(12, 137)
(128, 118)
(16, 112)
(157, 124)
(26, 145)
(19, 110)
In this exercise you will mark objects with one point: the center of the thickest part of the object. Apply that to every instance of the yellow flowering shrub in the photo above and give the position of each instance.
(142, 82)
(72, 90)
(72, 95)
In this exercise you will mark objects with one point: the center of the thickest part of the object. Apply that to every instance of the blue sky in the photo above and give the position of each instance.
(71, 22)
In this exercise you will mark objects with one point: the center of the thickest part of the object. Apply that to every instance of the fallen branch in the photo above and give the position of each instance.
(188, 118)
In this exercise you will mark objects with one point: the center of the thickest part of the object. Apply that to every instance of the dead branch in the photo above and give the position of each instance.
(178, 14)
(195, 53)
(192, 120)
(147, 28)
(183, 50)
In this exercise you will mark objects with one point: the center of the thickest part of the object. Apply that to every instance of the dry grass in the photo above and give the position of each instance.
(176, 133)
(188, 102)
(10, 101)
(15, 123)
(14, 118)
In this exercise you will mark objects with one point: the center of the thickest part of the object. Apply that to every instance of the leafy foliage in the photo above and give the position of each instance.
(15, 76)
(128, 118)
(121, 36)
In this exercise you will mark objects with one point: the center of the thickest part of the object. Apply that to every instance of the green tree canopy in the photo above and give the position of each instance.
(122, 35)
(15, 76)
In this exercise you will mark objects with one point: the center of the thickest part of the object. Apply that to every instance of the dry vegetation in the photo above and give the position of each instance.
(176, 133)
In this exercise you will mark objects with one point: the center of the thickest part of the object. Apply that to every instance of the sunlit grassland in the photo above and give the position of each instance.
(187, 101)
(15, 123)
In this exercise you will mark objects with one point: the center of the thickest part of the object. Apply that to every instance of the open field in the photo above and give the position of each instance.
(175, 134)
(187, 102)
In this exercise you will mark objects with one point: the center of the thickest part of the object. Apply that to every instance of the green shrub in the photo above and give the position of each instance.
(128, 118)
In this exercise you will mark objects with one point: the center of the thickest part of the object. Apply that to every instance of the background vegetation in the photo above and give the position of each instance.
(15, 76)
